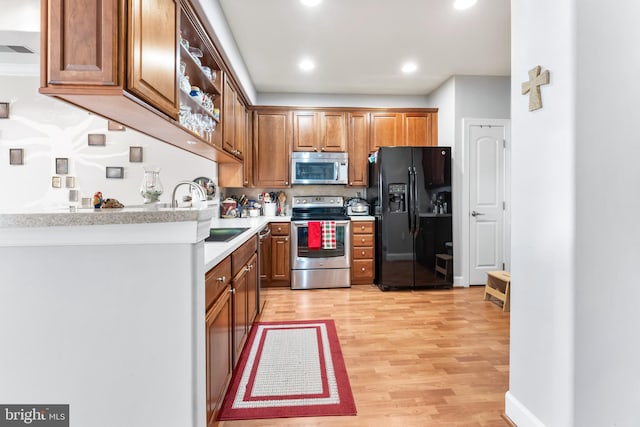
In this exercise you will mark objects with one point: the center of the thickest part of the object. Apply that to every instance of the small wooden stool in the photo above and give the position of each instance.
(445, 269)
(499, 286)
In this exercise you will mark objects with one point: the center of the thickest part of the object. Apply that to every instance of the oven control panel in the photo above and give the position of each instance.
(317, 201)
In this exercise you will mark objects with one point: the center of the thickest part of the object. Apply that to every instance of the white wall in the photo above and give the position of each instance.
(444, 98)
(217, 26)
(607, 248)
(458, 98)
(541, 384)
(47, 129)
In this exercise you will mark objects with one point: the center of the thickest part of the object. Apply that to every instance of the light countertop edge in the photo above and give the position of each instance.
(105, 227)
(362, 218)
(214, 252)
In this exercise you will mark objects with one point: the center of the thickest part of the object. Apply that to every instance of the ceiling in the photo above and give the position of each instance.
(20, 26)
(359, 46)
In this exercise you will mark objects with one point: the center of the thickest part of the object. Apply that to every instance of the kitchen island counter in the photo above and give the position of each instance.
(106, 306)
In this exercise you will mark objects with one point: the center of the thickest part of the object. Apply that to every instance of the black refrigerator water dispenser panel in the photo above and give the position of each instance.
(397, 198)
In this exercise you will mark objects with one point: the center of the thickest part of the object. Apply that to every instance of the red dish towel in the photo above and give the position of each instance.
(328, 234)
(314, 235)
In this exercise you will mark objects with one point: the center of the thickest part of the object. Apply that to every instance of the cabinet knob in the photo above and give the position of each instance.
(362, 227)
(232, 290)
(362, 252)
(286, 239)
(363, 268)
(221, 279)
(363, 240)
(286, 183)
(322, 149)
(315, 149)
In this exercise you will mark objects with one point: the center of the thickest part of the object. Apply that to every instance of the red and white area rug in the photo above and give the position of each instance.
(289, 369)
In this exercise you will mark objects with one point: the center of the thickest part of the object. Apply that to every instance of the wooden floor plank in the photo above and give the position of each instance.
(414, 358)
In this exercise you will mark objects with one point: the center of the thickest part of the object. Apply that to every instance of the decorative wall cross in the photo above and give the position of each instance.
(532, 87)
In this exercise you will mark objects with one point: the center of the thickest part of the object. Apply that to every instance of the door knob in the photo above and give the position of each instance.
(474, 213)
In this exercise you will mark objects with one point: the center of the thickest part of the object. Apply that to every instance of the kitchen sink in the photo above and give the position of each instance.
(224, 234)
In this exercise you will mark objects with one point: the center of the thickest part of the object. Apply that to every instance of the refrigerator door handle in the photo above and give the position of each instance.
(409, 202)
(416, 202)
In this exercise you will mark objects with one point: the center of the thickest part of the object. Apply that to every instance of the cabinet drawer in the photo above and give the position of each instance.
(241, 255)
(362, 227)
(362, 269)
(280, 228)
(216, 281)
(362, 253)
(362, 240)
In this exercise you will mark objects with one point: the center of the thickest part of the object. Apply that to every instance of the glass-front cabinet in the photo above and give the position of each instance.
(200, 80)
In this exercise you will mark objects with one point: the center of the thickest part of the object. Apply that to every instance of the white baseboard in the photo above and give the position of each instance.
(518, 413)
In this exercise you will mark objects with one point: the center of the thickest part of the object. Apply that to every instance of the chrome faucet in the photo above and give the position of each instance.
(198, 188)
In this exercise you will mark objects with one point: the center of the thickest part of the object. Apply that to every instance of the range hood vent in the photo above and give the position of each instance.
(14, 49)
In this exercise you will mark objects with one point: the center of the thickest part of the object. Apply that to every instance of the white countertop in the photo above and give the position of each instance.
(77, 217)
(140, 225)
(60, 227)
(214, 252)
(362, 218)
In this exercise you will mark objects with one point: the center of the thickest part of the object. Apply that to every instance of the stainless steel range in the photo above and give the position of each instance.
(318, 260)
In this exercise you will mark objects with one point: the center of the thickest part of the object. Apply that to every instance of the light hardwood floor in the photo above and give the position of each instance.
(414, 358)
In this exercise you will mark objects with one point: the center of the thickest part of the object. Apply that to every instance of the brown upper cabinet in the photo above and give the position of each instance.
(272, 133)
(95, 27)
(420, 129)
(386, 129)
(247, 170)
(121, 60)
(319, 131)
(236, 128)
(233, 132)
(358, 148)
(156, 81)
(403, 128)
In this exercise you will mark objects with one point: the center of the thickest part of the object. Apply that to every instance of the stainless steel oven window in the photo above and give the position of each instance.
(303, 258)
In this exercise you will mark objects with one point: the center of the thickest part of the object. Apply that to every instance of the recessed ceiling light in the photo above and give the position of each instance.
(306, 65)
(409, 67)
(464, 4)
(311, 2)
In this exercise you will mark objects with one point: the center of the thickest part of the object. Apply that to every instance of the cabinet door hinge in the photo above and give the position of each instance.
(503, 266)
(504, 206)
(504, 143)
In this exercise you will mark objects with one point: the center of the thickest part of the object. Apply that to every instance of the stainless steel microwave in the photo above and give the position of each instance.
(319, 168)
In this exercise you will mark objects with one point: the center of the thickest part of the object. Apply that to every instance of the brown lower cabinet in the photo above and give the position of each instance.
(231, 308)
(218, 354)
(362, 264)
(275, 256)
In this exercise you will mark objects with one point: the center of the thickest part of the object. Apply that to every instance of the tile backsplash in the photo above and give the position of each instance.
(297, 190)
(58, 141)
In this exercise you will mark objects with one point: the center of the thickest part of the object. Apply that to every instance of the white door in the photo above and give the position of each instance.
(486, 200)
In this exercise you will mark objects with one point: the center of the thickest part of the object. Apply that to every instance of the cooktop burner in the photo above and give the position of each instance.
(306, 208)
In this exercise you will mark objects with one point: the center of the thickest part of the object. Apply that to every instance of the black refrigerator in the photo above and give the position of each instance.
(410, 192)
